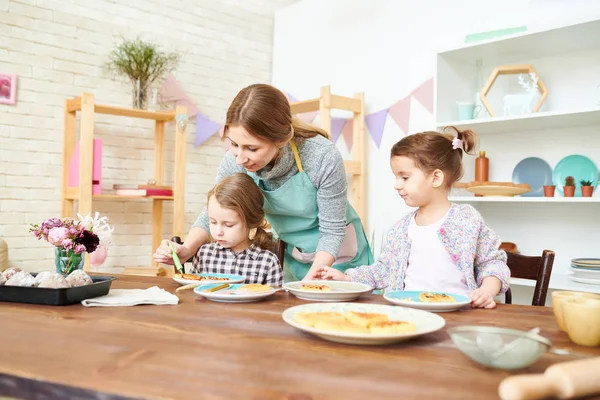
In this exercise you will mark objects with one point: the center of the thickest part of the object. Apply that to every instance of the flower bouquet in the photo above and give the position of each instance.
(71, 239)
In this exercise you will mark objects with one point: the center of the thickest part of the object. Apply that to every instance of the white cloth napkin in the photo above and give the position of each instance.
(133, 297)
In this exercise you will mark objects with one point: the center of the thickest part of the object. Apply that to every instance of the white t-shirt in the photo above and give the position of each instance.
(430, 267)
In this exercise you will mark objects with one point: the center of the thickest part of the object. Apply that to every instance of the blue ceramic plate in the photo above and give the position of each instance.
(222, 278)
(535, 172)
(577, 166)
(234, 293)
(412, 299)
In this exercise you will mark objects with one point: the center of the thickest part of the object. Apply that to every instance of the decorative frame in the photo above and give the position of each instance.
(510, 70)
(8, 88)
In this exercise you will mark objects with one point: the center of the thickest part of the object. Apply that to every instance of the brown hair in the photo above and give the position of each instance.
(433, 150)
(239, 193)
(264, 112)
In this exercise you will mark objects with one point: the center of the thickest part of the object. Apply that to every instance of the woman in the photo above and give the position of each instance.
(301, 174)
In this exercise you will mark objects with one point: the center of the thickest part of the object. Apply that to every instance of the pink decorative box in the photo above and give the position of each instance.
(96, 167)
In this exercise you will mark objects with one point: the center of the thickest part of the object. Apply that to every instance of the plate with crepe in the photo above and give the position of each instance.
(189, 279)
(362, 323)
(235, 293)
(429, 301)
(327, 290)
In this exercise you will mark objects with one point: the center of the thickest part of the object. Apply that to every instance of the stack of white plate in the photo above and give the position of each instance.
(585, 270)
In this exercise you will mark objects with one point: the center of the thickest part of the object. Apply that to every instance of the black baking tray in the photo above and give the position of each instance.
(56, 297)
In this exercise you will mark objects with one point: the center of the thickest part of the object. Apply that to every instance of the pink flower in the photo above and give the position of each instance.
(442, 231)
(67, 244)
(454, 257)
(57, 235)
(79, 249)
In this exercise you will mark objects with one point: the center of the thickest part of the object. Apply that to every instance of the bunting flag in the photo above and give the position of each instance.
(424, 95)
(347, 133)
(171, 92)
(400, 113)
(376, 122)
(205, 128)
(337, 124)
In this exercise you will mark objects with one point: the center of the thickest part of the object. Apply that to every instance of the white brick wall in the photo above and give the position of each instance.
(57, 48)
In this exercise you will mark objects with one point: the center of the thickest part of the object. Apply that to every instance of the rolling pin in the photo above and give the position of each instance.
(564, 380)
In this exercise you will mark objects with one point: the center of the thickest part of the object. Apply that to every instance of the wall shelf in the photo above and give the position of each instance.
(473, 199)
(87, 108)
(535, 121)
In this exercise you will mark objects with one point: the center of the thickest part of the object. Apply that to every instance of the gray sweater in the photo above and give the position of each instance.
(324, 166)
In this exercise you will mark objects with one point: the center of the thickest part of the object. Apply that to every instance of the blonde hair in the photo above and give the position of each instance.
(264, 112)
(433, 150)
(239, 193)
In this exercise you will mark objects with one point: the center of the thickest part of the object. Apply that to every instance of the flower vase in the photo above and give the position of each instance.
(67, 261)
(98, 257)
(139, 95)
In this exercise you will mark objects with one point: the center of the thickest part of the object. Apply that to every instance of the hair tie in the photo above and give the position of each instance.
(457, 143)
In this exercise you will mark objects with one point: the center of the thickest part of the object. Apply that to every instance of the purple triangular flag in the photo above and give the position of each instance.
(337, 124)
(376, 122)
(205, 128)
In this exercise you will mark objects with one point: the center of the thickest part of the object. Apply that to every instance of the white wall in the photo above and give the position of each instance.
(386, 49)
(57, 48)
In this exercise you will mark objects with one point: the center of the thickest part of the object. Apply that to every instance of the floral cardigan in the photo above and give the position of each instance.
(472, 245)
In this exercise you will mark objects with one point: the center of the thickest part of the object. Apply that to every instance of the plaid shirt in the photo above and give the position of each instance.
(256, 264)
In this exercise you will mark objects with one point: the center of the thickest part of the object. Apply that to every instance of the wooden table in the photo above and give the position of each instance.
(205, 350)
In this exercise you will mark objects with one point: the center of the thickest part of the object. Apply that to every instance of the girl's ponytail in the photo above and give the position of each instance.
(262, 238)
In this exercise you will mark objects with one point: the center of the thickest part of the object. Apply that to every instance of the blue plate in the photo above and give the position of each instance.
(577, 166)
(228, 279)
(412, 299)
(535, 172)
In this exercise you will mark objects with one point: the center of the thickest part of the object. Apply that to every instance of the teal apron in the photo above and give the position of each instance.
(292, 211)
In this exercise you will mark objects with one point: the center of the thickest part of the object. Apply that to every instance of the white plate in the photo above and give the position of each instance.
(230, 295)
(230, 279)
(411, 299)
(340, 291)
(586, 262)
(425, 321)
(584, 280)
(585, 273)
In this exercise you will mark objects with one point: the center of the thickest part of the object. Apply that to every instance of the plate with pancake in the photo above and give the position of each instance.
(429, 301)
(236, 293)
(188, 279)
(327, 290)
(362, 323)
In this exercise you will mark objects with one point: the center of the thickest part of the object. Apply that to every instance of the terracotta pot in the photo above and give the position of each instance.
(569, 191)
(549, 191)
(587, 191)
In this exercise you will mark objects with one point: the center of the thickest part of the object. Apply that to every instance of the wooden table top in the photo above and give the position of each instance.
(207, 350)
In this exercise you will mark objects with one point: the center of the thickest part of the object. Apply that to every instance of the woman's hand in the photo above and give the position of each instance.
(325, 272)
(163, 253)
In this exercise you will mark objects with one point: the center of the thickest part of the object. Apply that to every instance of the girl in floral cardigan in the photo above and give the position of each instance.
(441, 246)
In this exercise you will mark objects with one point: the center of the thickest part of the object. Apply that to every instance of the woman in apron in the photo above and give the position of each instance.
(301, 174)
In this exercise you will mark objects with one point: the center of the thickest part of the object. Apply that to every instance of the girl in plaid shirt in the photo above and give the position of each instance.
(241, 245)
(441, 246)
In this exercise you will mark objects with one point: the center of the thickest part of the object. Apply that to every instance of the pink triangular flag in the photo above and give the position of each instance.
(306, 117)
(347, 133)
(400, 113)
(424, 94)
(172, 92)
(337, 124)
(376, 123)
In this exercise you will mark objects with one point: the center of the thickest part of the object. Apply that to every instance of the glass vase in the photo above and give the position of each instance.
(67, 261)
(139, 95)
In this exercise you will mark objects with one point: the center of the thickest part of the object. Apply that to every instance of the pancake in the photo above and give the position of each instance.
(386, 327)
(316, 288)
(311, 318)
(254, 287)
(428, 297)
(342, 325)
(365, 319)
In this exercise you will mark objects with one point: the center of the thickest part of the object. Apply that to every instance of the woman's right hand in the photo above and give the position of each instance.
(163, 253)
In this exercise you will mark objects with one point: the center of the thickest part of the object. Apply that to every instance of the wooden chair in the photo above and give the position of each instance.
(536, 268)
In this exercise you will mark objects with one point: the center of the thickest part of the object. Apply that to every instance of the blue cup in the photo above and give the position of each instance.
(466, 110)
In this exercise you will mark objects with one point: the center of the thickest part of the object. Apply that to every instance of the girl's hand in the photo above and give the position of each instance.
(481, 298)
(163, 253)
(325, 272)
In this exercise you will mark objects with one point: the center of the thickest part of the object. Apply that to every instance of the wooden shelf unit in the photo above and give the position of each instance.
(355, 167)
(87, 107)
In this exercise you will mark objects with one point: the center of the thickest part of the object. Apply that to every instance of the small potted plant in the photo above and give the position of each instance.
(586, 188)
(549, 190)
(569, 188)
